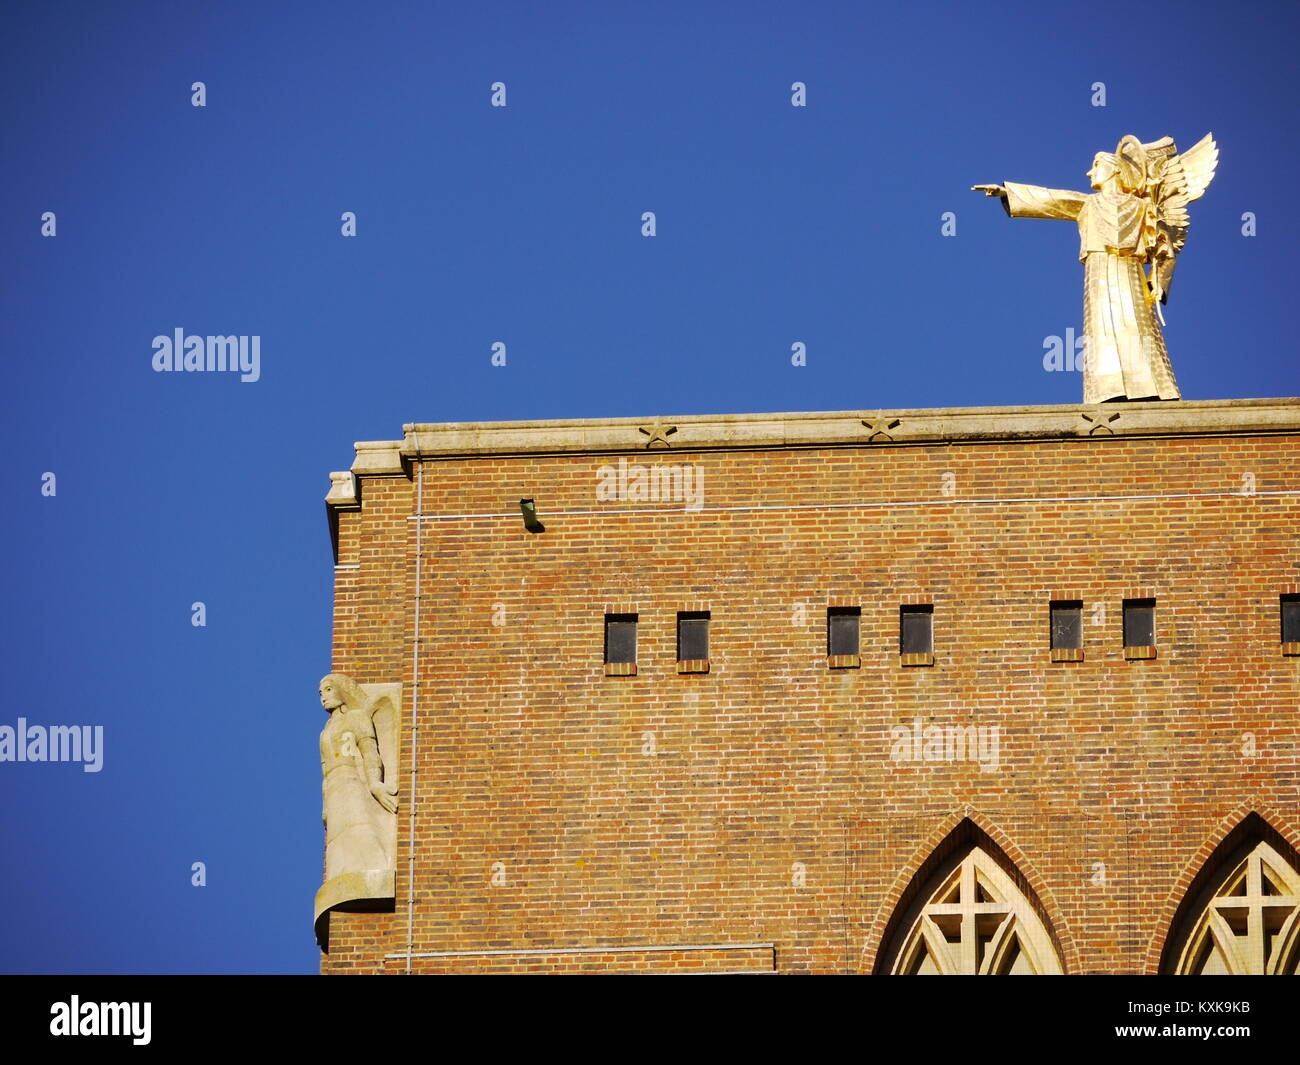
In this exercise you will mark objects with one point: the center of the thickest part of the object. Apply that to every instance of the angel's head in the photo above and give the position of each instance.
(337, 690)
(1105, 167)
(1126, 166)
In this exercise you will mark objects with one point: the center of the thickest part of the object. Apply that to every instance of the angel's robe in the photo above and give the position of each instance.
(1124, 354)
(354, 821)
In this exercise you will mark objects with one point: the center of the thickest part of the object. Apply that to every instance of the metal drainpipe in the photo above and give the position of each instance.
(415, 728)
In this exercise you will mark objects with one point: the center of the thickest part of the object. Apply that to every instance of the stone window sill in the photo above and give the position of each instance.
(620, 669)
(844, 661)
(916, 660)
(1067, 654)
(1139, 652)
(694, 665)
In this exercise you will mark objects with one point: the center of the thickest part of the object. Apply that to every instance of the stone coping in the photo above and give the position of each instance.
(876, 428)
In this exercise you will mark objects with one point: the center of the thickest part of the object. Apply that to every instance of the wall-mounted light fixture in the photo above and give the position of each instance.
(528, 508)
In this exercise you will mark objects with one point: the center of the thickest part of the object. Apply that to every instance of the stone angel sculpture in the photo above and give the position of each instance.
(359, 787)
(1135, 221)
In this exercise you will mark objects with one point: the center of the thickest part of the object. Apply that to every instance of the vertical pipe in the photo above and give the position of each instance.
(415, 728)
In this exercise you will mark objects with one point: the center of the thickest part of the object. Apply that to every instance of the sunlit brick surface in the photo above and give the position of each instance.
(763, 802)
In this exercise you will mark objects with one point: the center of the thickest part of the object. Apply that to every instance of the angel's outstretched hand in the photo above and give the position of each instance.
(989, 190)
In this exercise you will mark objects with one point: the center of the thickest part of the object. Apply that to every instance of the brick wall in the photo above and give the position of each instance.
(758, 803)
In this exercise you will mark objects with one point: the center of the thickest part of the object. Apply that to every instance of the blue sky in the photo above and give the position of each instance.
(522, 225)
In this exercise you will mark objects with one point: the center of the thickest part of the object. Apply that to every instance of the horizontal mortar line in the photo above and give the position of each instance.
(859, 506)
(583, 950)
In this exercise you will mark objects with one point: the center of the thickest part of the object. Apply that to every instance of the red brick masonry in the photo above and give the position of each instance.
(754, 817)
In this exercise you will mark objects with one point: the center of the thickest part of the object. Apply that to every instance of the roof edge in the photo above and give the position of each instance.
(705, 432)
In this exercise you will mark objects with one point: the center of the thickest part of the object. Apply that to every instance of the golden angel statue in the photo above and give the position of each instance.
(1135, 220)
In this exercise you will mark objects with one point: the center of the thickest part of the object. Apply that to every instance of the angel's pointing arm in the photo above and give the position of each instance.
(1033, 201)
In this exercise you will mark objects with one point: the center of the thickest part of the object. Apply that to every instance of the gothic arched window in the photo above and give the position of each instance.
(969, 916)
(1246, 917)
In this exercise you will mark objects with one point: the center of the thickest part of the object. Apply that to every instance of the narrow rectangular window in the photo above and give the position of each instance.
(1290, 607)
(620, 638)
(1067, 624)
(842, 626)
(1139, 622)
(692, 635)
(916, 630)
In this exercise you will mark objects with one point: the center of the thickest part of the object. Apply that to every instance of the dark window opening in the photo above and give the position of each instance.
(1067, 624)
(1139, 622)
(620, 637)
(692, 635)
(916, 630)
(842, 626)
(1290, 606)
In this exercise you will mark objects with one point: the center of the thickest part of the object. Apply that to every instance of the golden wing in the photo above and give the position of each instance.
(1177, 181)
(1183, 179)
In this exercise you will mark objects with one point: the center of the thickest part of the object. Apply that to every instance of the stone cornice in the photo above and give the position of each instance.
(380, 458)
(876, 428)
(864, 428)
(343, 491)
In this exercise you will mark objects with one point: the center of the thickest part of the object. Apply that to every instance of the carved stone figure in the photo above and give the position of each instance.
(359, 767)
(1136, 218)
